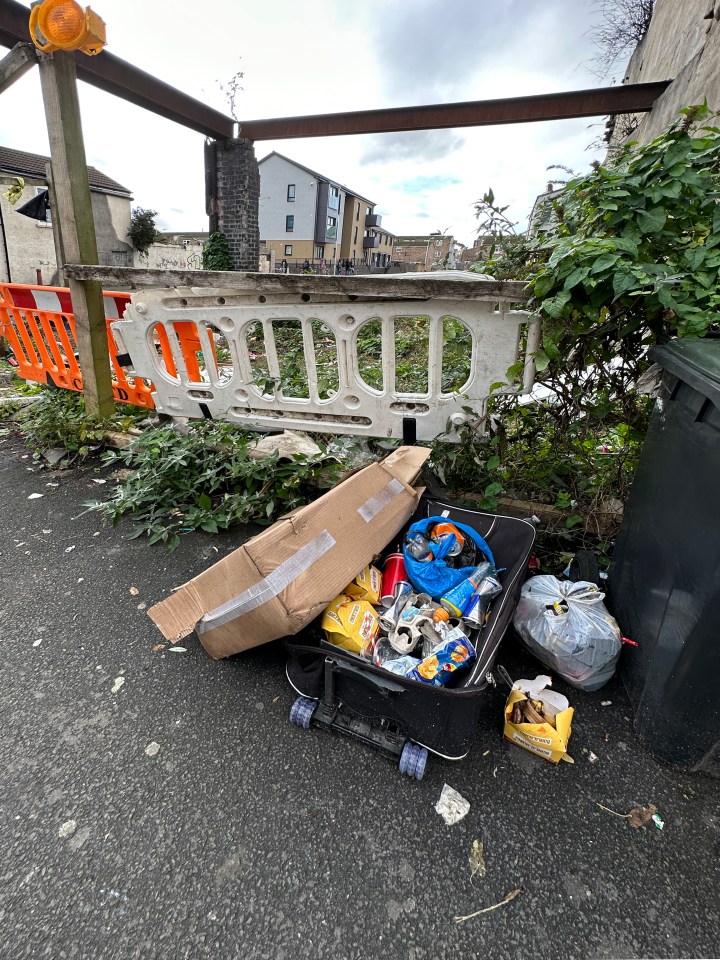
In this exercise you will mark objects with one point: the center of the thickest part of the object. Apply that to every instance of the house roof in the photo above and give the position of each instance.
(542, 216)
(318, 176)
(20, 163)
(422, 239)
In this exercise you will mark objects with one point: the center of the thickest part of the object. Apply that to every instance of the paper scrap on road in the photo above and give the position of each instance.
(451, 806)
(477, 859)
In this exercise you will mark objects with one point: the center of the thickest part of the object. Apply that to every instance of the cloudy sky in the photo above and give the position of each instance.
(315, 58)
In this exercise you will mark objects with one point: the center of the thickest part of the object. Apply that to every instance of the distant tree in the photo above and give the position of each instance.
(142, 232)
(216, 253)
(622, 25)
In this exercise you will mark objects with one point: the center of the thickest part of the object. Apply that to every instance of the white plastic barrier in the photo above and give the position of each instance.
(326, 363)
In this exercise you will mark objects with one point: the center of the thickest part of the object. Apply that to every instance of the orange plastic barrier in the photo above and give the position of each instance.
(39, 324)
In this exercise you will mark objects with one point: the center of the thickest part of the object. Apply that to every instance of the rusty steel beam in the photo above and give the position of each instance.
(120, 78)
(116, 76)
(632, 98)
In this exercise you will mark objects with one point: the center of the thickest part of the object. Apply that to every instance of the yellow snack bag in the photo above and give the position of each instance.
(367, 585)
(350, 624)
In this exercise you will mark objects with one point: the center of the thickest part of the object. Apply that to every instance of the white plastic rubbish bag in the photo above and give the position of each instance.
(568, 628)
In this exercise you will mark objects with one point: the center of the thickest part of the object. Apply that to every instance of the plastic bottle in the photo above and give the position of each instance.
(419, 547)
(456, 599)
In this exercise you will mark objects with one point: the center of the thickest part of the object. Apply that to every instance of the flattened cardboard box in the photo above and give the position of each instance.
(279, 581)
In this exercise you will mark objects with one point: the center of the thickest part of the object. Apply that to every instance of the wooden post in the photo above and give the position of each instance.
(57, 234)
(73, 214)
(16, 64)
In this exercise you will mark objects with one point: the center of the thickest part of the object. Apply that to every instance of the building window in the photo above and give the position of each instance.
(334, 198)
(319, 251)
(355, 236)
(357, 211)
(291, 192)
(438, 243)
(288, 249)
(368, 211)
(289, 223)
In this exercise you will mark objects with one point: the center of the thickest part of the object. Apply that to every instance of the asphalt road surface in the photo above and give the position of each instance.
(160, 805)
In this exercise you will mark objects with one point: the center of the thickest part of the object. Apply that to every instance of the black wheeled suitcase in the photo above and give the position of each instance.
(400, 716)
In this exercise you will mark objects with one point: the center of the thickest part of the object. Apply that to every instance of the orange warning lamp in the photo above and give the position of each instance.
(65, 25)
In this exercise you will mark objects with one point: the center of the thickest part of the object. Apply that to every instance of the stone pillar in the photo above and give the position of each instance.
(232, 181)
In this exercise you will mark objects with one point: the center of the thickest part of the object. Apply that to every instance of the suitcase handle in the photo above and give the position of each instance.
(384, 686)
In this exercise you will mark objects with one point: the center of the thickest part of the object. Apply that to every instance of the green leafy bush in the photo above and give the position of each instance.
(216, 253)
(58, 419)
(634, 261)
(636, 256)
(206, 480)
(143, 232)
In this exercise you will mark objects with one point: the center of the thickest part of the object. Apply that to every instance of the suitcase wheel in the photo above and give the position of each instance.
(301, 712)
(413, 759)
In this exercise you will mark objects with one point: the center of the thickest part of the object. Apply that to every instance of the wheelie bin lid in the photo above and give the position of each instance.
(696, 361)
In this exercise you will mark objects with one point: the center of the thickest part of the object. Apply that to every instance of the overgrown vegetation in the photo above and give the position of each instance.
(621, 25)
(143, 232)
(57, 418)
(634, 261)
(207, 480)
(216, 253)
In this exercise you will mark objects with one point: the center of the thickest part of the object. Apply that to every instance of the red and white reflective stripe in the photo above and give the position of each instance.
(115, 304)
(57, 300)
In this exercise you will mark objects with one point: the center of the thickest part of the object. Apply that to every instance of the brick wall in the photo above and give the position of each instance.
(233, 198)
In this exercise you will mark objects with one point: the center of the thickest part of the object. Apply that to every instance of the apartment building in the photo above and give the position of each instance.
(378, 243)
(305, 215)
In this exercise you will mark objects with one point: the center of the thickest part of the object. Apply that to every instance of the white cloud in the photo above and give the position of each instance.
(304, 60)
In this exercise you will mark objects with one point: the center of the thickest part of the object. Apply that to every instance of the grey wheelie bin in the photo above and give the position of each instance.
(665, 575)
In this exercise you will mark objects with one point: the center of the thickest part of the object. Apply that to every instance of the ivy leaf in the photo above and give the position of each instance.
(605, 262)
(542, 360)
(204, 502)
(493, 489)
(555, 305)
(622, 282)
(628, 244)
(653, 220)
(576, 277)
(543, 284)
(716, 219)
